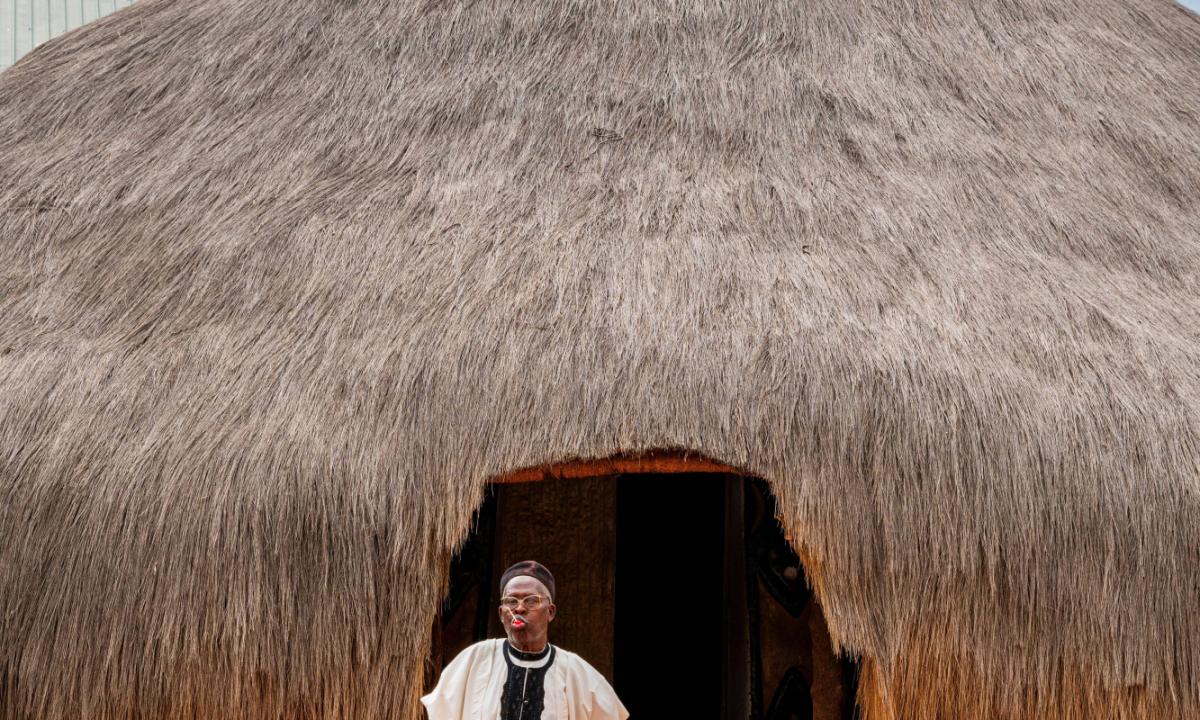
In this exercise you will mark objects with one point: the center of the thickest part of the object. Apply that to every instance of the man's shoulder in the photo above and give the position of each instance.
(575, 660)
(483, 648)
(562, 652)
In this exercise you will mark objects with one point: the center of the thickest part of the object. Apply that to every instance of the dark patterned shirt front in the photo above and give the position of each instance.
(524, 695)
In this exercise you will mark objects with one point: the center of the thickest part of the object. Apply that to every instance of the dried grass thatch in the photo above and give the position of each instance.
(282, 283)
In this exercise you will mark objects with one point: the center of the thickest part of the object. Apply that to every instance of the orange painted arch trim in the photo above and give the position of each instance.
(665, 463)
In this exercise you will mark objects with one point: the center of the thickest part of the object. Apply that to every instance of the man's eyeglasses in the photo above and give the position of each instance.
(531, 602)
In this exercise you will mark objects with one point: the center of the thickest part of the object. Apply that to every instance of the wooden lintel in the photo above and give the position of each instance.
(660, 463)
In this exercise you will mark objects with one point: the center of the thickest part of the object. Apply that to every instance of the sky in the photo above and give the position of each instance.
(1194, 5)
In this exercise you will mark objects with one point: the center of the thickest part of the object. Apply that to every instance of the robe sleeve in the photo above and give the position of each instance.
(590, 695)
(450, 700)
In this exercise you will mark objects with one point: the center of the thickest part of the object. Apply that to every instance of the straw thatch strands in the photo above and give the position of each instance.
(282, 284)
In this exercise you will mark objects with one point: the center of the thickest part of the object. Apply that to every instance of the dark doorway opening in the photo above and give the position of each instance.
(660, 576)
(670, 596)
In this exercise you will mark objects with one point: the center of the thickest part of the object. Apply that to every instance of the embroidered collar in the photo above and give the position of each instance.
(516, 654)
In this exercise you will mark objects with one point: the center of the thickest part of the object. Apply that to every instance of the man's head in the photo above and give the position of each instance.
(526, 605)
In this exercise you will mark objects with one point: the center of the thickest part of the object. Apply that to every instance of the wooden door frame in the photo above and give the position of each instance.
(652, 463)
(675, 462)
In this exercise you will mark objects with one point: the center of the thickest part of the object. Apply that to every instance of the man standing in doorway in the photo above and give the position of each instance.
(523, 677)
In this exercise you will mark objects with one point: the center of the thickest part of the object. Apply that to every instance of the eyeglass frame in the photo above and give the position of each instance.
(522, 600)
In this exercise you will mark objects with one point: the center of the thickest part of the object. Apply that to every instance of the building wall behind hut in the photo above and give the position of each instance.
(25, 24)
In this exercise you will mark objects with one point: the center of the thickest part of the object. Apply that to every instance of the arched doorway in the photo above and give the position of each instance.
(661, 575)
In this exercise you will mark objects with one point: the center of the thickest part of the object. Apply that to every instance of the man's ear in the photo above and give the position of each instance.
(553, 611)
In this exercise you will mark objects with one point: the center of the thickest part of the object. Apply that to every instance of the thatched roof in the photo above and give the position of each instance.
(283, 283)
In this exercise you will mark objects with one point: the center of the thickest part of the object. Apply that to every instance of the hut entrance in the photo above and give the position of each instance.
(680, 588)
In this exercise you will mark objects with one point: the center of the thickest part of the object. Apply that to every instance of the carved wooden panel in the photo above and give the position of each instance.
(569, 526)
(796, 674)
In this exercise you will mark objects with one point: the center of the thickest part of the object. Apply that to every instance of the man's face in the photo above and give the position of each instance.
(527, 627)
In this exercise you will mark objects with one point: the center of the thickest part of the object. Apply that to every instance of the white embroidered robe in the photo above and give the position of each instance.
(471, 687)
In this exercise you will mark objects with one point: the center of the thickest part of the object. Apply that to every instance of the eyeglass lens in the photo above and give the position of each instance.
(533, 602)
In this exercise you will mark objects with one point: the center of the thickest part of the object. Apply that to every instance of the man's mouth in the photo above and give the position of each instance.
(518, 622)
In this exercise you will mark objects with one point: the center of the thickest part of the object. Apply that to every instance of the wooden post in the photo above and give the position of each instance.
(736, 631)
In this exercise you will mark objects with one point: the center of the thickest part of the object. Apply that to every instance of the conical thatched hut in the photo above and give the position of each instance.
(284, 285)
